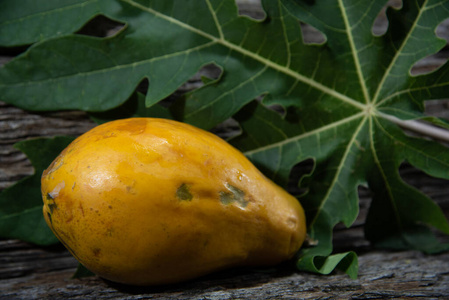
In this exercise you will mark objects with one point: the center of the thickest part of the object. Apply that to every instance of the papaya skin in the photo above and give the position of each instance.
(146, 201)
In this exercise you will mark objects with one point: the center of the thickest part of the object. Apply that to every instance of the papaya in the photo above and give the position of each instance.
(148, 201)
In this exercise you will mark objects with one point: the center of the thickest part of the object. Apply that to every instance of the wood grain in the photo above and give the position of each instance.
(31, 272)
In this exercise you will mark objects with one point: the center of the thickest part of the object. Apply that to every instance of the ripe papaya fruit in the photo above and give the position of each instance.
(148, 201)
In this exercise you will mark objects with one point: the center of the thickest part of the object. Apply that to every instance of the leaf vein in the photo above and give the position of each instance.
(306, 134)
(354, 52)
(214, 16)
(398, 54)
(340, 167)
(263, 60)
(43, 13)
(229, 91)
(114, 68)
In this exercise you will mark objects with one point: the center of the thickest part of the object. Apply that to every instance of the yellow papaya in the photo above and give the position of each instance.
(148, 201)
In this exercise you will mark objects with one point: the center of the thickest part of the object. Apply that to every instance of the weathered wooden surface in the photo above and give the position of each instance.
(31, 272)
(42, 274)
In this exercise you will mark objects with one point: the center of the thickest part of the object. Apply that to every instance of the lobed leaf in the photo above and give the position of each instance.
(27, 22)
(21, 204)
(134, 107)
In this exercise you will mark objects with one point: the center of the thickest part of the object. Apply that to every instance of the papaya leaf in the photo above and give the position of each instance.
(343, 100)
(21, 204)
(26, 22)
(134, 107)
(82, 272)
(346, 262)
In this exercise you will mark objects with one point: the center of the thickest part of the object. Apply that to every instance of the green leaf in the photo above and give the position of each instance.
(399, 213)
(21, 204)
(26, 22)
(82, 271)
(134, 107)
(71, 69)
(343, 100)
(346, 262)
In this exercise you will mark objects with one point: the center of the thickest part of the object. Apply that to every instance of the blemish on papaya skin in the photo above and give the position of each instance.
(234, 194)
(56, 164)
(130, 189)
(49, 217)
(69, 219)
(51, 203)
(183, 193)
(51, 196)
(52, 207)
(82, 209)
(96, 252)
(55, 192)
(226, 197)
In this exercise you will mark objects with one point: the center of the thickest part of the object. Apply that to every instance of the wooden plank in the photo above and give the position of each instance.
(31, 272)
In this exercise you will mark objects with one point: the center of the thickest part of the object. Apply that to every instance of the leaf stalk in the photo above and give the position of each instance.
(419, 127)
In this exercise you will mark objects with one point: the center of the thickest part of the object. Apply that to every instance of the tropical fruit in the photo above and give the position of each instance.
(148, 201)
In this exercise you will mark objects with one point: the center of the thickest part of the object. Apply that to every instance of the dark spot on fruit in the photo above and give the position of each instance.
(49, 217)
(226, 197)
(234, 194)
(51, 202)
(81, 208)
(183, 192)
(52, 207)
(96, 252)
